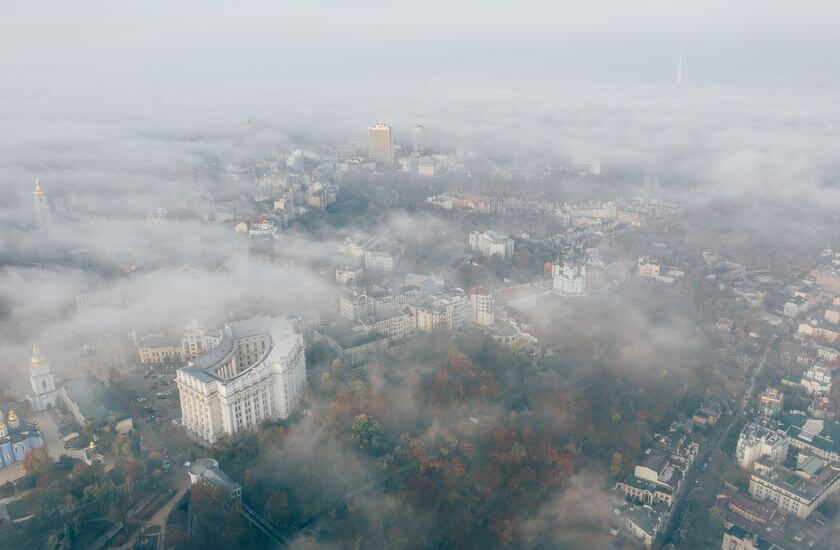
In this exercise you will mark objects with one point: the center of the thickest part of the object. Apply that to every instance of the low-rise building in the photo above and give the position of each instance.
(820, 437)
(770, 402)
(354, 304)
(89, 399)
(643, 523)
(821, 408)
(207, 472)
(796, 492)
(736, 538)
(156, 350)
(647, 267)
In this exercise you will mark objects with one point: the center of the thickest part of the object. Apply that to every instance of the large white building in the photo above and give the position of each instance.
(570, 280)
(256, 372)
(44, 393)
(757, 441)
(491, 243)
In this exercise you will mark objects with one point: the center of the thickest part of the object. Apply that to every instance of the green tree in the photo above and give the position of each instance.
(367, 434)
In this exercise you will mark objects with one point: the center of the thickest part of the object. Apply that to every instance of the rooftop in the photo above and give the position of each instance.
(96, 402)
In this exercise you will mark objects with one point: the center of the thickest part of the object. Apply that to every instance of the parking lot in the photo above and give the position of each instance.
(156, 393)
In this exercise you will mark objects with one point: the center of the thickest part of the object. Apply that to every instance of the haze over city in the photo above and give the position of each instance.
(438, 275)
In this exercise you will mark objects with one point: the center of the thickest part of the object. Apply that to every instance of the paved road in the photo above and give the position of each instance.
(722, 433)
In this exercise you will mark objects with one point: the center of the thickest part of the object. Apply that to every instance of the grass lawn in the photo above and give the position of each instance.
(23, 507)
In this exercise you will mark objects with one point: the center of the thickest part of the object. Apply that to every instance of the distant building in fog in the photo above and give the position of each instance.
(491, 243)
(43, 216)
(481, 306)
(419, 140)
(587, 167)
(380, 143)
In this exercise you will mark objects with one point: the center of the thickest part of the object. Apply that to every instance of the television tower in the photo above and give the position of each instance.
(680, 65)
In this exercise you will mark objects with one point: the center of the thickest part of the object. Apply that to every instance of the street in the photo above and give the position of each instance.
(696, 474)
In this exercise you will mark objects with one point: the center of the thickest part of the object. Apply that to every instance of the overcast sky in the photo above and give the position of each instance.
(164, 45)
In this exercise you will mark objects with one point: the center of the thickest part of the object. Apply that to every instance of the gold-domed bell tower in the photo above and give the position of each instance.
(44, 394)
(43, 216)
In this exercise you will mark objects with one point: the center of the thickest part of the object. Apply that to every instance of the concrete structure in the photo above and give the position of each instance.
(736, 538)
(491, 243)
(757, 441)
(380, 143)
(156, 350)
(347, 275)
(797, 492)
(481, 307)
(44, 394)
(354, 304)
(820, 437)
(256, 372)
(643, 523)
(379, 260)
(207, 472)
(197, 340)
(645, 491)
(770, 402)
(443, 310)
(89, 399)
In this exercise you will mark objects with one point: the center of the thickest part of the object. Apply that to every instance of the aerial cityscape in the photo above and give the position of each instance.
(471, 275)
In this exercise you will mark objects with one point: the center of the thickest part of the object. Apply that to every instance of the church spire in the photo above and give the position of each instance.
(39, 191)
(37, 358)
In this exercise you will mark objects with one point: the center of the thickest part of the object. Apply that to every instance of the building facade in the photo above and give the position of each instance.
(491, 243)
(16, 438)
(794, 492)
(197, 340)
(380, 143)
(256, 372)
(482, 306)
(44, 394)
(757, 441)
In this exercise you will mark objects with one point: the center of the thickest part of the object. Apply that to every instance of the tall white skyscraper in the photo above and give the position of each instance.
(380, 142)
(419, 140)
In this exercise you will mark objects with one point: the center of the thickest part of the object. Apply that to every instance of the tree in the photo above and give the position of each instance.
(617, 463)
(131, 471)
(36, 462)
(367, 434)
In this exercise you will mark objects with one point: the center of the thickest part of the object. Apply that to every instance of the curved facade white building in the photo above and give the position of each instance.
(256, 372)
